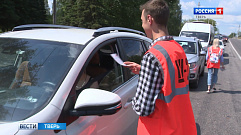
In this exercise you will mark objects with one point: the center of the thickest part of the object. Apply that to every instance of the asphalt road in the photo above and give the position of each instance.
(219, 113)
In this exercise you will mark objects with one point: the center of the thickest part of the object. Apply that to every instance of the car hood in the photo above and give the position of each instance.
(9, 128)
(192, 58)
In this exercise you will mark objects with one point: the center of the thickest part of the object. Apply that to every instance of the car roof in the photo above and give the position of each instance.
(197, 27)
(77, 36)
(62, 33)
(190, 39)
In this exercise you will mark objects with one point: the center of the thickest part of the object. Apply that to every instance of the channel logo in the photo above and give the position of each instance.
(28, 126)
(205, 13)
(42, 126)
(208, 11)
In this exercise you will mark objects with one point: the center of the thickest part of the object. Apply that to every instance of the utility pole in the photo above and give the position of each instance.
(54, 11)
(238, 30)
(198, 7)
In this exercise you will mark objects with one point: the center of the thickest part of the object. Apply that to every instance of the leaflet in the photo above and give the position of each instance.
(117, 59)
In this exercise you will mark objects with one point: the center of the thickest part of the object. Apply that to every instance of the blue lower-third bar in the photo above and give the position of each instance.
(51, 126)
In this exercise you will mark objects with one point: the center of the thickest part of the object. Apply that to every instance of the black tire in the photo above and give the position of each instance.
(195, 83)
(202, 73)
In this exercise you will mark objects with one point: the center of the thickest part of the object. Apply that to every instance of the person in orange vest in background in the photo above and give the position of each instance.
(214, 58)
(162, 97)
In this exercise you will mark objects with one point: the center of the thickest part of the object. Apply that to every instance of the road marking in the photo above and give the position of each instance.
(235, 50)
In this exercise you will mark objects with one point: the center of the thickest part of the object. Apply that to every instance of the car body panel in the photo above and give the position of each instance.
(98, 125)
(126, 118)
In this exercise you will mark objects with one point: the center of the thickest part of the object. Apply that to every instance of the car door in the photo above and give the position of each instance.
(115, 80)
(201, 57)
(125, 121)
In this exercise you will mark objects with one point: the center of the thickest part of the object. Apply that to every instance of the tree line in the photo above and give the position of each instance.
(83, 13)
(18, 12)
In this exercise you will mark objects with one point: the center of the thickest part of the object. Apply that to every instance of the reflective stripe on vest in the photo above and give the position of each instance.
(175, 91)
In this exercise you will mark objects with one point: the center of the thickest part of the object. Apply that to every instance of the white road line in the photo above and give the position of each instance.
(235, 50)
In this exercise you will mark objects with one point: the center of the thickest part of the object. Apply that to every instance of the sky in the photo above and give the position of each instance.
(231, 13)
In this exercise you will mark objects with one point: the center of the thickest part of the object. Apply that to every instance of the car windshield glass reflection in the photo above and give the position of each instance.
(199, 35)
(30, 73)
(188, 47)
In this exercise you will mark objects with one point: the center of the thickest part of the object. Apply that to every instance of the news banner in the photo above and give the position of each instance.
(42, 126)
(205, 13)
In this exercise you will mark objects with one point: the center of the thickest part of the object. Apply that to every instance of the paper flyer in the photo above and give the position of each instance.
(117, 59)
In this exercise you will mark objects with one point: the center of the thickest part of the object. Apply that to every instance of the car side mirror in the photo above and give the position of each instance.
(96, 102)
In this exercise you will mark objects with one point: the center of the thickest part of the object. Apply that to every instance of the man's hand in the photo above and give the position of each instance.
(134, 67)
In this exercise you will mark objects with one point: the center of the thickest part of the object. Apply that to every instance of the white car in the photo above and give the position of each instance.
(47, 75)
(195, 57)
(221, 45)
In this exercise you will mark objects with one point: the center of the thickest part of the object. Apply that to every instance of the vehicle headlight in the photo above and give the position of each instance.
(192, 65)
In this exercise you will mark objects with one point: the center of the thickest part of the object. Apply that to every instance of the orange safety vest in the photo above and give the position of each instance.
(214, 65)
(173, 114)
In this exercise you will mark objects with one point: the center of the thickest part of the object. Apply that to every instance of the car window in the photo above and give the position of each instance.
(147, 45)
(200, 35)
(102, 71)
(188, 47)
(133, 50)
(115, 75)
(30, 73)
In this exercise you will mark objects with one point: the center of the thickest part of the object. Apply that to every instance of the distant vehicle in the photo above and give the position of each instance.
(219, 36)
(199, 29)
(225, 39)
(221, 45)
(195, 56)
(45, 77)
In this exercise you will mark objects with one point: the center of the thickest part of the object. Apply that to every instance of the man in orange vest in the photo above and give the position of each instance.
(162, 98)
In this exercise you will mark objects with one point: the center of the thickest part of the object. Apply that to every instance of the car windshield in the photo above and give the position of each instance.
(188, 47)
(30, 74)
(199, 35)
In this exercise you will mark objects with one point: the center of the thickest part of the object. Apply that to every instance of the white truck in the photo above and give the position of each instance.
(199, 29)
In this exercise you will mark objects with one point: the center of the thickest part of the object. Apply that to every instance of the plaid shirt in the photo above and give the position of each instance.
(149, 84)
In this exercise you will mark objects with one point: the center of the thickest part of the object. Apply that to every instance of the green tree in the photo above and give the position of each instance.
(114, 13)
(233, 34)
(8, 17)
(99, 13)
(30, 11)
(48, 14)
(90, 13)
(175, 18)
(123, 13)
(18, 12)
